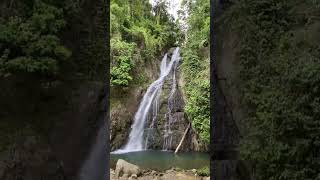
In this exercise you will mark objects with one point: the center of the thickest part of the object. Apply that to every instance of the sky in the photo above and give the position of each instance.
(174, 6)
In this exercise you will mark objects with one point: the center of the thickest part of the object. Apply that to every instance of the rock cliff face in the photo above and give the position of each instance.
(179, 123)
(125, 102)
(122, 114)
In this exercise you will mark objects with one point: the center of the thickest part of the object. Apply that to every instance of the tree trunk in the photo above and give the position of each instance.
(182, 139)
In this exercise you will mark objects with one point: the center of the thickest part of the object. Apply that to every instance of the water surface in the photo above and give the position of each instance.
(163, 160)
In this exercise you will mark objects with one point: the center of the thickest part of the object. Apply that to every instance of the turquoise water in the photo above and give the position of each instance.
(163, 160)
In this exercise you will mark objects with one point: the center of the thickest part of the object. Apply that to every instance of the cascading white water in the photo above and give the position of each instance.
(150, 100)
(171, 103)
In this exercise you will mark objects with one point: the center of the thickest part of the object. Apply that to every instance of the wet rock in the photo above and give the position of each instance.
(176, 117)
(123, 167)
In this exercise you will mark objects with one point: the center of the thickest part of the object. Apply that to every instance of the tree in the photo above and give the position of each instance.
(31, 44)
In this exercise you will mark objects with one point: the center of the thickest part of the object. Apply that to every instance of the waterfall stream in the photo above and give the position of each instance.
(150, 106)
(171, 103)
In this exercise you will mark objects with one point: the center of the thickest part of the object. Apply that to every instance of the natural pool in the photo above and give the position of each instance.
(163, 160)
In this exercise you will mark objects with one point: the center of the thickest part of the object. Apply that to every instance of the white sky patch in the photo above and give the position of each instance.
(174, 6)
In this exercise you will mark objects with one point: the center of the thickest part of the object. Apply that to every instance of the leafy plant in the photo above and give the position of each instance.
(195, 68)
(279, 77)
(137, 30)
(122, 53)
(32, 44)
(205, 171)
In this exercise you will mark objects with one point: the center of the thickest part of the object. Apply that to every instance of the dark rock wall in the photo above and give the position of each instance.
(48, 126)
(229, 126)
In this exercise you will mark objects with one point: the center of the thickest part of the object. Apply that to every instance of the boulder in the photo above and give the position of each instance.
(133, 176)
(123, 167)
(125, 176)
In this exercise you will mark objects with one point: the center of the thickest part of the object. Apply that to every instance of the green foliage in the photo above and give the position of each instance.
(121, 54)
(31, 44)
(150, 29)
(195, 67)
(205, 171)
(197, 107)
(279, 77)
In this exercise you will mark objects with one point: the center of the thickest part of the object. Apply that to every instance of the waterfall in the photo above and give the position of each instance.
(171, 104)
(149, 103)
